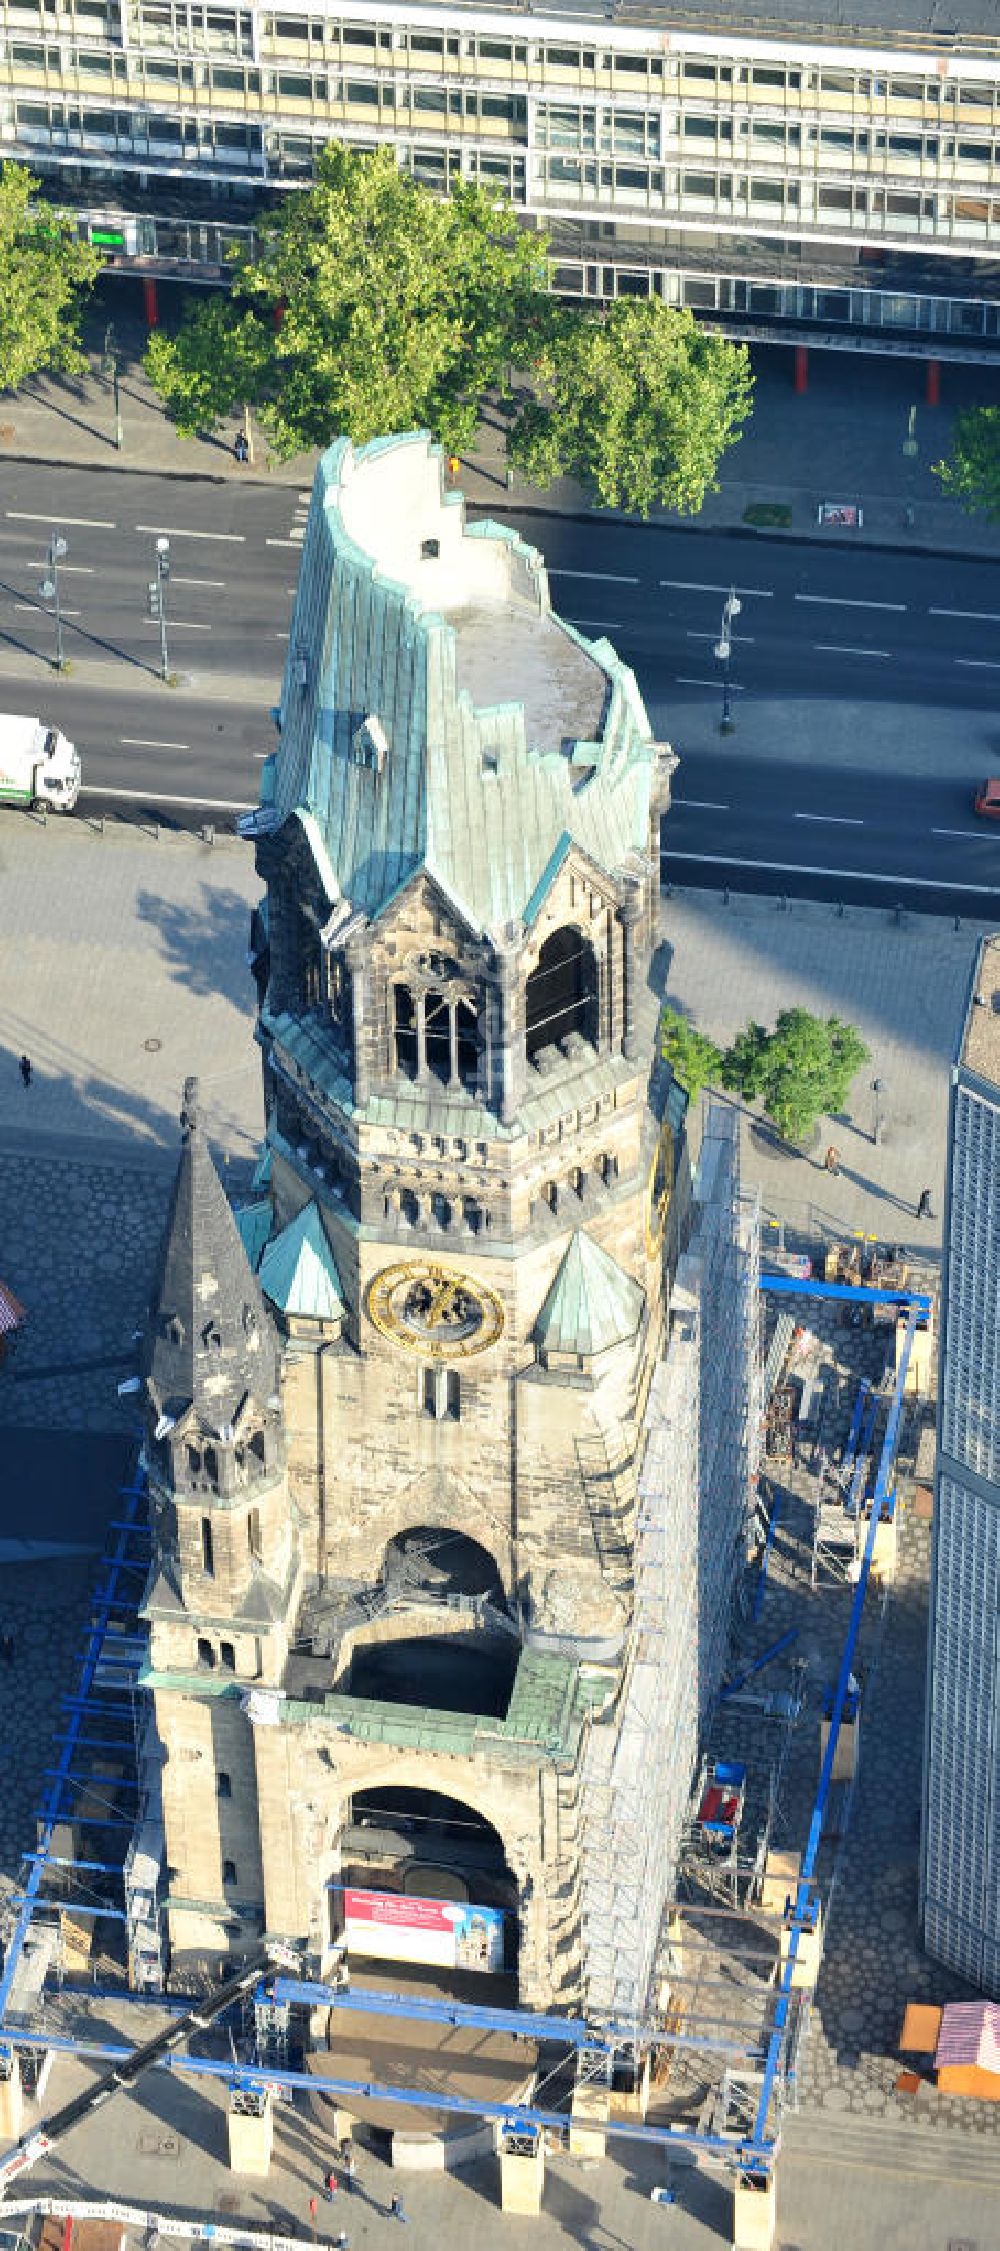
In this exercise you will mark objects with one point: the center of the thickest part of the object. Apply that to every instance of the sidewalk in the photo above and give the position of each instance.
(841, 441)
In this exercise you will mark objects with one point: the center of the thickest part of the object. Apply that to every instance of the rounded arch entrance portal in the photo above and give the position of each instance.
(427, 1845)
(444, 1639)
(561, 996)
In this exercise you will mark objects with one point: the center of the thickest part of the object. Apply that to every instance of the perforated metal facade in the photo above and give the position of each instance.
(961, 1870)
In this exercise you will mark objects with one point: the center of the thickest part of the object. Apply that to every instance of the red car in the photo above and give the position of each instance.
(987, 799)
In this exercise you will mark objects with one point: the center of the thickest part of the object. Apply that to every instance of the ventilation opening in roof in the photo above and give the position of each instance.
(430, 549)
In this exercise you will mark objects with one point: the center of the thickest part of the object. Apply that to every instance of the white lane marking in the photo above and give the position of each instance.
(975, 833)
(78, 523)
(688, 680)
(303, 496)
(699, 804)
(219, 583)
(978, 664)
(282, 636)
(41, 609)
(595, 624)
(147, 742)
(181, 625)
(849, 602)
(834, 820)
(608, 578)
(979, 617)
(843, 649)
(700, 586)
(746, 639)
(850, 875)
(66, 570)
(144, 797)
(182, 531)
(282, 542)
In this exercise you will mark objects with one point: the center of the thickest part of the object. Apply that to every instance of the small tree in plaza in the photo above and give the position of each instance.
(45, 271)
(799, 1072)
(693, 1058)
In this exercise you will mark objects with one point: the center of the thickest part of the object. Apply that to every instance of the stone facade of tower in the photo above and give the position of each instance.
(457, 1236)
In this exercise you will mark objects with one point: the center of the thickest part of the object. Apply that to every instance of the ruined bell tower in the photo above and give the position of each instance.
(437, 1339)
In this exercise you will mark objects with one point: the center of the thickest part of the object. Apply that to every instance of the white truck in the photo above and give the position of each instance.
(37, 764)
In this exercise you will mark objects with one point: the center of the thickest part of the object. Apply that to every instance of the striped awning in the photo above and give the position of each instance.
(11, 1313)
(970, 2033)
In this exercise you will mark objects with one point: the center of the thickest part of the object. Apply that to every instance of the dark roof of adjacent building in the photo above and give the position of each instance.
(211, 1343)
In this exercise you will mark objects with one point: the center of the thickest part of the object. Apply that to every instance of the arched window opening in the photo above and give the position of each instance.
(550, 1194)
(207, 1548)
(441, 1210)
(472, 1214)
(437, 1036)
(310, 963)
(561, 994)
(212, 1465)
(194, 1461)
(468, 1046)
(227, 1654)
(405, 1030)
(409, 1207)
(255, 1544)
(206, 1654)
(229, 1875)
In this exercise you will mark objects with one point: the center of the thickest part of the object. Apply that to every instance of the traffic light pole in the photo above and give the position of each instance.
(157, 600)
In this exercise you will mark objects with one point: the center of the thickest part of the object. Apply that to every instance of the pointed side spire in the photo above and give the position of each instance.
(211, 1342)
(591, 1305)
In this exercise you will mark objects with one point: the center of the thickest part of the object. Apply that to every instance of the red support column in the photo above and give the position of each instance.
(150, 302)
(801, 369)
(933, 393)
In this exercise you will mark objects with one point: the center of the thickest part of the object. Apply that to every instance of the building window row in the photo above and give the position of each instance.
(432, 1210)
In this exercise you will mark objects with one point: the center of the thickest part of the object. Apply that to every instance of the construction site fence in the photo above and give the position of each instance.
(149, 2223)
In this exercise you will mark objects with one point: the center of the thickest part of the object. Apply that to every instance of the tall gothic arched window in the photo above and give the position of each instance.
(561, 993)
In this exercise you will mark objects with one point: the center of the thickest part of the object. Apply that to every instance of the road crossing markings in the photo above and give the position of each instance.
(747, 639)
(41, 609)
(842, 649)
(217, 584)
(975, 833)
(978, 664)
(699, 805)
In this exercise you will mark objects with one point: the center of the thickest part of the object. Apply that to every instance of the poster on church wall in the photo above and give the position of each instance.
(451, 1934)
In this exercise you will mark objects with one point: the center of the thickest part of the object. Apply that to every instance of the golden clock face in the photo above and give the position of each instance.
(434, 1310)
(659, 1189)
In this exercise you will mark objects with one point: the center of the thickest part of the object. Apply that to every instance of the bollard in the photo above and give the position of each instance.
(958, 922)
(725, 896)
(207, 833)
(840, 909)
(783, 903)
(900, 916)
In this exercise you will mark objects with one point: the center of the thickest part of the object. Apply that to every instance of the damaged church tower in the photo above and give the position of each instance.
(396, 1405)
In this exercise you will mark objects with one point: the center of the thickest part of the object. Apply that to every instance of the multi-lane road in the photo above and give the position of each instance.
(905, 648)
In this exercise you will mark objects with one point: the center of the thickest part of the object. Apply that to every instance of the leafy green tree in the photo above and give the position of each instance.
(799, 1071)
(638, 404)
(693, 1058)
(971, 475)
(45, 271)
(371, 305)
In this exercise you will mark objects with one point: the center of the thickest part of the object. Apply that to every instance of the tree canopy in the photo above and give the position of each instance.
(693, 1058)
(638, 404)
(971, 474)
(45, 271)
(799, 1071)
(373, 305)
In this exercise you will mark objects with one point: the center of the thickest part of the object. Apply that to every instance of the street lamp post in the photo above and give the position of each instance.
(724, 650)
(878, 1088)
(156, 599)
(111, 374)
(49, 589)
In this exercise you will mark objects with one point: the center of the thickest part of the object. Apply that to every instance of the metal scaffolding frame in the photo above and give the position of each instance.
(94, 1752)
(699, 1453)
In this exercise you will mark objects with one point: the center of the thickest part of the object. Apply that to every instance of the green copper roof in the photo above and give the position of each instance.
(436, 715)
(298, 1271)
(592, 1303)
(253, 1222)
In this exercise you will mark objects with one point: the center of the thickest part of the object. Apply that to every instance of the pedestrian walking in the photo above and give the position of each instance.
(831, 1162)
(350, 2166)
(925, 1209)
(24, 1067)
(331, 2185)
(454, 465)
(396, 2211)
